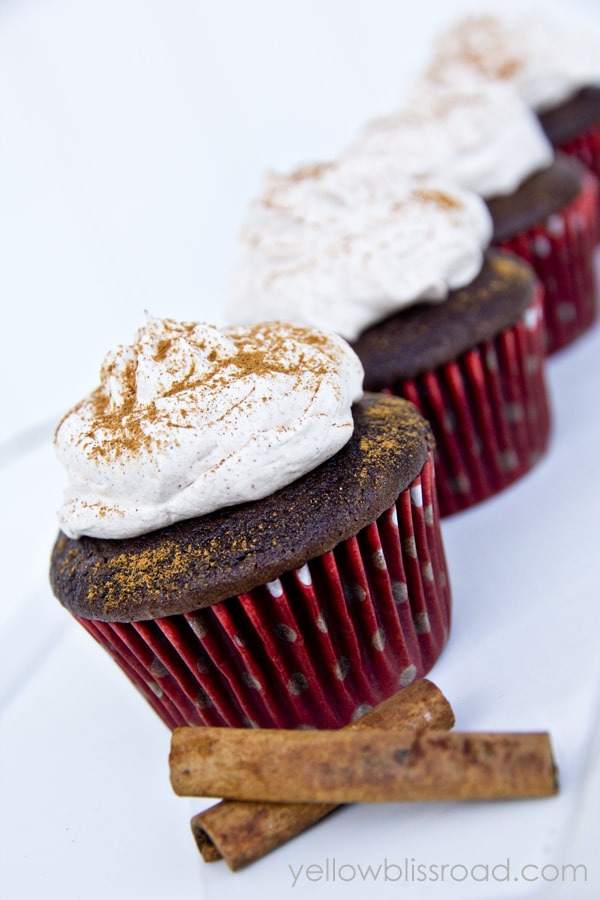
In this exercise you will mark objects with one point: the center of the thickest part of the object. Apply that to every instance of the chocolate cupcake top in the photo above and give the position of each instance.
(420, 339)
(573, 117)
(200, 561)
(540, 195)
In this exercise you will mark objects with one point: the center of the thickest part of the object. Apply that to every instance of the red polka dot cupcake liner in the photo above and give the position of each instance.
(314, 648)
(488, 410)
(561, 251)
(586, 148)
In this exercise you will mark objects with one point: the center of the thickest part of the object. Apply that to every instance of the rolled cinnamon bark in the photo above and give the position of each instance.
(242, 832)
(352, 766)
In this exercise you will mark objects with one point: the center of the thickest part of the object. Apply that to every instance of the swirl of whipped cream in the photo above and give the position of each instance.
(326, 247)
(482, 137)
(545, 59)
(189, 419)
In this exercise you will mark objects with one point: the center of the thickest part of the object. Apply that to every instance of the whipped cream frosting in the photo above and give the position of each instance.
(190, 418)
(334, 248)
(483, 137)
(545, 59)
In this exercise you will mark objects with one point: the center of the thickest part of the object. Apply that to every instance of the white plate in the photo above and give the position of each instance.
(133, 134)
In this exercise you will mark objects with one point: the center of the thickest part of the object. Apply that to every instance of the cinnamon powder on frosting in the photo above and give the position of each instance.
(130, 424)
(190, 418)
(480, 43)
(201, 561)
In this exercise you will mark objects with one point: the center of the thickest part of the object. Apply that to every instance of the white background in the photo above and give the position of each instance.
(132, 135)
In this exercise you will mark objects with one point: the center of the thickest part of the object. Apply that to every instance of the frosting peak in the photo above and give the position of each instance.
(545, 59)
(340, 247)
(484, 137)
(190, 418)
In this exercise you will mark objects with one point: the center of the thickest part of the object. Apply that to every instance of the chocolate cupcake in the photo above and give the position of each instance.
(398, 268)
(473, 367)
(549, 221)
(555, 67)
(544, 208)
(311, 584)
(573, 127)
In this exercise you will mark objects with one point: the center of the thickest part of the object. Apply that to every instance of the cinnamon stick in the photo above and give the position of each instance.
(242, 832)
(351, 766)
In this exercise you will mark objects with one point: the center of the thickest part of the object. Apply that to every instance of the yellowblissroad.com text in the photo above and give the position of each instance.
(411, 871)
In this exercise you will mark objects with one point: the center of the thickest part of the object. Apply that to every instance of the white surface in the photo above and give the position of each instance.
(131, 136)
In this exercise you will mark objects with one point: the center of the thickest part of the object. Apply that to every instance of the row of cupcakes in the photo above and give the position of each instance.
(254, 539)
(554, 65)
(394, 245)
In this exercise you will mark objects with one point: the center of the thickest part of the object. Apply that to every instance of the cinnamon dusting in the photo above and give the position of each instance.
(123, 426)
(204, 560)
(431, 196)
(482, 44)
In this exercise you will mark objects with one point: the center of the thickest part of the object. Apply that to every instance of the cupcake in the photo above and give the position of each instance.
(474, 367)
(254, 540)
(543, 207)
(554, 66)
(400, 268)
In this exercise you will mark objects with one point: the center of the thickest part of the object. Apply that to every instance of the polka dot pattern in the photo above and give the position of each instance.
(542, 246)
(585, 147)
(562, 250)
(303, 575)
(555, 225)
(515, 412)
(275, 588)
(360, 711)
(158, 669)
(321, 622)
(203, 700)
(298, 683)
(285, 632)
(355, 593)
(202, 665)
(379, 559)
(416, 496)
(251, 681)
(341, 668)
(489, 412)
(197, 624)
(400, 591)
(410, 546)
(378, 639)
(314, 647)
(407, 676)
(422, 624)
(428, 573)
(566, 313)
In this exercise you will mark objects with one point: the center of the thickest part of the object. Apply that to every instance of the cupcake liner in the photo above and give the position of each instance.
(586, 148)
(561, 250)
(314, 648)
(488, 410)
